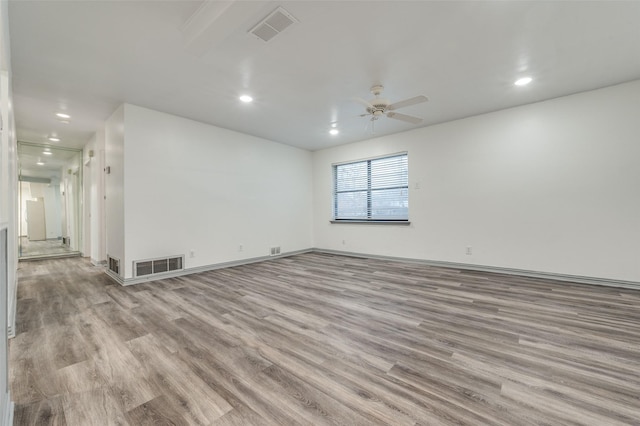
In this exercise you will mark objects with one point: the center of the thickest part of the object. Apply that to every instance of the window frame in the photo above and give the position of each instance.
(369, 190)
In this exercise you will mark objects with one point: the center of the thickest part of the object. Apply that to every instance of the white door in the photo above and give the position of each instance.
(35, 220)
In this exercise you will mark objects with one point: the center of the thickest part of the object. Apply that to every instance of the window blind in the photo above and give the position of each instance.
(374, 190)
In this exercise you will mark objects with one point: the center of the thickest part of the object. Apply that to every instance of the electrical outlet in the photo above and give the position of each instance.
(240, 247)
(469, 251)
(192, 253)
(344, 242)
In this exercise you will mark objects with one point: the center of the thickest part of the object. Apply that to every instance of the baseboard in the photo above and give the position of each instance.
(49, 256)
(7, 414)
(138, 280)
(436, 263)
(95, 262)
(117, 278)
(11, 320)
(494, 269)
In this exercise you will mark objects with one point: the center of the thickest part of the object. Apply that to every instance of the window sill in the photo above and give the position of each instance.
(372, 222)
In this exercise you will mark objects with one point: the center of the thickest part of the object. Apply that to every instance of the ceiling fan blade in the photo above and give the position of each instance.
(408, 102)
(363, 102)
(404, 117)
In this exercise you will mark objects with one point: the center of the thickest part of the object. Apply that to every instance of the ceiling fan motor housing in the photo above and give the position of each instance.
(379, 106)
(377, 89)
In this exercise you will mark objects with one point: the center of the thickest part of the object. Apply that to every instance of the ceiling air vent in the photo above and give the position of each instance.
(274, 24)
(157, 266)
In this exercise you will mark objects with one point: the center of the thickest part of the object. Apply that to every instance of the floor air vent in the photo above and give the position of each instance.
(157, 266)
(113, 264)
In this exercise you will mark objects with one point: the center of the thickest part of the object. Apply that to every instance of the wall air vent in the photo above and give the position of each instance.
(274, 24)
(113, 264)
(158, 266)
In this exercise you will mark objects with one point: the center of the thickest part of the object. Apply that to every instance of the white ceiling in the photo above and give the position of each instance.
(52, 165)
(88, 57)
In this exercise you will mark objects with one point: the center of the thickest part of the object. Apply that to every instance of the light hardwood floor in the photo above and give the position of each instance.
(321, 339)
(34, 249)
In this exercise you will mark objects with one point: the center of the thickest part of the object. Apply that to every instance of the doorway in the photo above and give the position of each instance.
(50, 182)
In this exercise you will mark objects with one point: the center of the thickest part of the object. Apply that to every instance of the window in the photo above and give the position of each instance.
(375, 190)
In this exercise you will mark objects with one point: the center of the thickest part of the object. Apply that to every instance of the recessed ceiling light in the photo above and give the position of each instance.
(63, 115)
(47, 152)
(523, 81)
(334, 132)
(40, 163)
(54, 139)
(246, 99)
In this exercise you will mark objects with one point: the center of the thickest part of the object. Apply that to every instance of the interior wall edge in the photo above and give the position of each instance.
(11, 308)
(7, 419)
(96, 262)
(606, 282)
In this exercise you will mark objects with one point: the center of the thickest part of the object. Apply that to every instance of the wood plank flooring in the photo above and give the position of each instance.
(319, 339)
(52, 247)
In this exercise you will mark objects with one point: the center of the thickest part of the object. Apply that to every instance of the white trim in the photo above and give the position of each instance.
(377, 157)
(198, 269)
(50, 256)
(7, 419)
(465, 266)
(114, 276)
(371, 222)
(495, 269)
(95, 262)
(11, 320)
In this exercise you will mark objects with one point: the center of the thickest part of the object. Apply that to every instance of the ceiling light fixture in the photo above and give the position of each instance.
(40, 163)
(63, 115)
(246, 99)
(54, 139)
(334, 132)
(523, 81)
(47, 152)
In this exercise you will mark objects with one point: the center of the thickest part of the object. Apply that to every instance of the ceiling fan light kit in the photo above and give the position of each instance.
(379, 107)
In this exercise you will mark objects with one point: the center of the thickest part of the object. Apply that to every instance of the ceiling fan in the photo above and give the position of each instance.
(379, 107)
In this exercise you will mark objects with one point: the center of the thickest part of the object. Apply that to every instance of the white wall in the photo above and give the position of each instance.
(93, 185)
(52, 210)
(73, 201)
(86, 202)
(114, 185)
(8, 212)
(51, 194)
(548, 187)
(49, 211)
(25, 194)
(193, 186)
